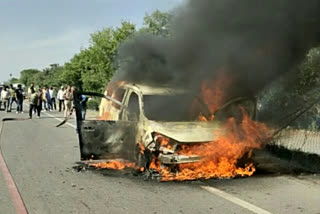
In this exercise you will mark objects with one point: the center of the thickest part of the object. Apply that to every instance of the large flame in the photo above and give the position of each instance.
(213, 90)
(221, 156)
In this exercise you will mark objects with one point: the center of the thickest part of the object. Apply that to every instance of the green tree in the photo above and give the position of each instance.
(13, 80)
(73, 70)
(104, 46)
(27, 76)
(50, 76)
(309, 71)
(158, 23)
(93, 67)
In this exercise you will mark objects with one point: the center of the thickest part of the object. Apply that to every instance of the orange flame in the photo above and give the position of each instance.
(118, 165)
(213, 91)
(221, 156)
(202, 118)
(164, 142)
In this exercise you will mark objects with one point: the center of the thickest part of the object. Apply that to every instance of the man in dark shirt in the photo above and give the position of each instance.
(19, 97)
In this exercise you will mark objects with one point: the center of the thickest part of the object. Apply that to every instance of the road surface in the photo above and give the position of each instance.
(42, 162)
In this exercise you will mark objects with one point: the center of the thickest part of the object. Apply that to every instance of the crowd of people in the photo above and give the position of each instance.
(10, 95)
(40, 99)
(44, 99)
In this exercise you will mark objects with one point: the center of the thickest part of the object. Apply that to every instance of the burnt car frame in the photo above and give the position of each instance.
(134, 133)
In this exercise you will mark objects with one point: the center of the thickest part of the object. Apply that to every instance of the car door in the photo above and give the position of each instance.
(102, 137)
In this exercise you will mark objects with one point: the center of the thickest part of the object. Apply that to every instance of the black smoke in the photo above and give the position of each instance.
(254, 41)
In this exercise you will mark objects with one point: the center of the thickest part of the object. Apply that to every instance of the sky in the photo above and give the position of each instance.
(37, 33)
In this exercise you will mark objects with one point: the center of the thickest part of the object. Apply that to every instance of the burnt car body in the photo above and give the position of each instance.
(142, 116)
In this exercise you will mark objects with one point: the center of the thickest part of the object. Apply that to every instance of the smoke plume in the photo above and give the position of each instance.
(252, 42)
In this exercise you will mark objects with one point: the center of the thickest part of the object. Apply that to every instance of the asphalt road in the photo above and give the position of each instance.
(42, 161)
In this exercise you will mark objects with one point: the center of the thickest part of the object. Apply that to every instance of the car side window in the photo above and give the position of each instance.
(133, 110)
(118, 95)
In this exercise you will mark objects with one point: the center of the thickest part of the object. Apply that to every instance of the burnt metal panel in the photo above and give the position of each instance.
(100, 139)
(107, 139)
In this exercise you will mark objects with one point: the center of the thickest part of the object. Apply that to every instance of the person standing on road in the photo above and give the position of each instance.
(61, 99)
(29, 89)
(29, 92)
(53, 98)
(48, 99)
(5, 98)
(68, 98)
(44, 99)
(39, 104)
(33, 103)
(12, 97)
(40, 97)
(19, 97)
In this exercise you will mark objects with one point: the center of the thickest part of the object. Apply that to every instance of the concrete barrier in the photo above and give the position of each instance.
(300, 147)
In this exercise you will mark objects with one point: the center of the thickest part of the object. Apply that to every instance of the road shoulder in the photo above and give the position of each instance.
(6, 204)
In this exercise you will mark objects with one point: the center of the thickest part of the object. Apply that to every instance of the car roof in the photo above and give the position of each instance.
(155, 90)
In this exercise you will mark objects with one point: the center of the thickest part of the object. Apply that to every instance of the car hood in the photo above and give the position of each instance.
(188, 132)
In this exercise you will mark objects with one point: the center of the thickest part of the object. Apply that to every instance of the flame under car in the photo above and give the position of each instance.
(137, 123)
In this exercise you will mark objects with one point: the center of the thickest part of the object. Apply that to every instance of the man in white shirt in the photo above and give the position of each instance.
(53, 98)
(5, 97)
(61, 99)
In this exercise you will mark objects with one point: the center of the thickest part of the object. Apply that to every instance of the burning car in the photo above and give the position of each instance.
(152, 125)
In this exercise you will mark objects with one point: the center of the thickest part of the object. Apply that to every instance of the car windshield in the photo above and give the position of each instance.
(172, 107)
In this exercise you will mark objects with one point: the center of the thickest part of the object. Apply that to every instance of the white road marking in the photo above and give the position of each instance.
(235, 200)
(50, 115)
